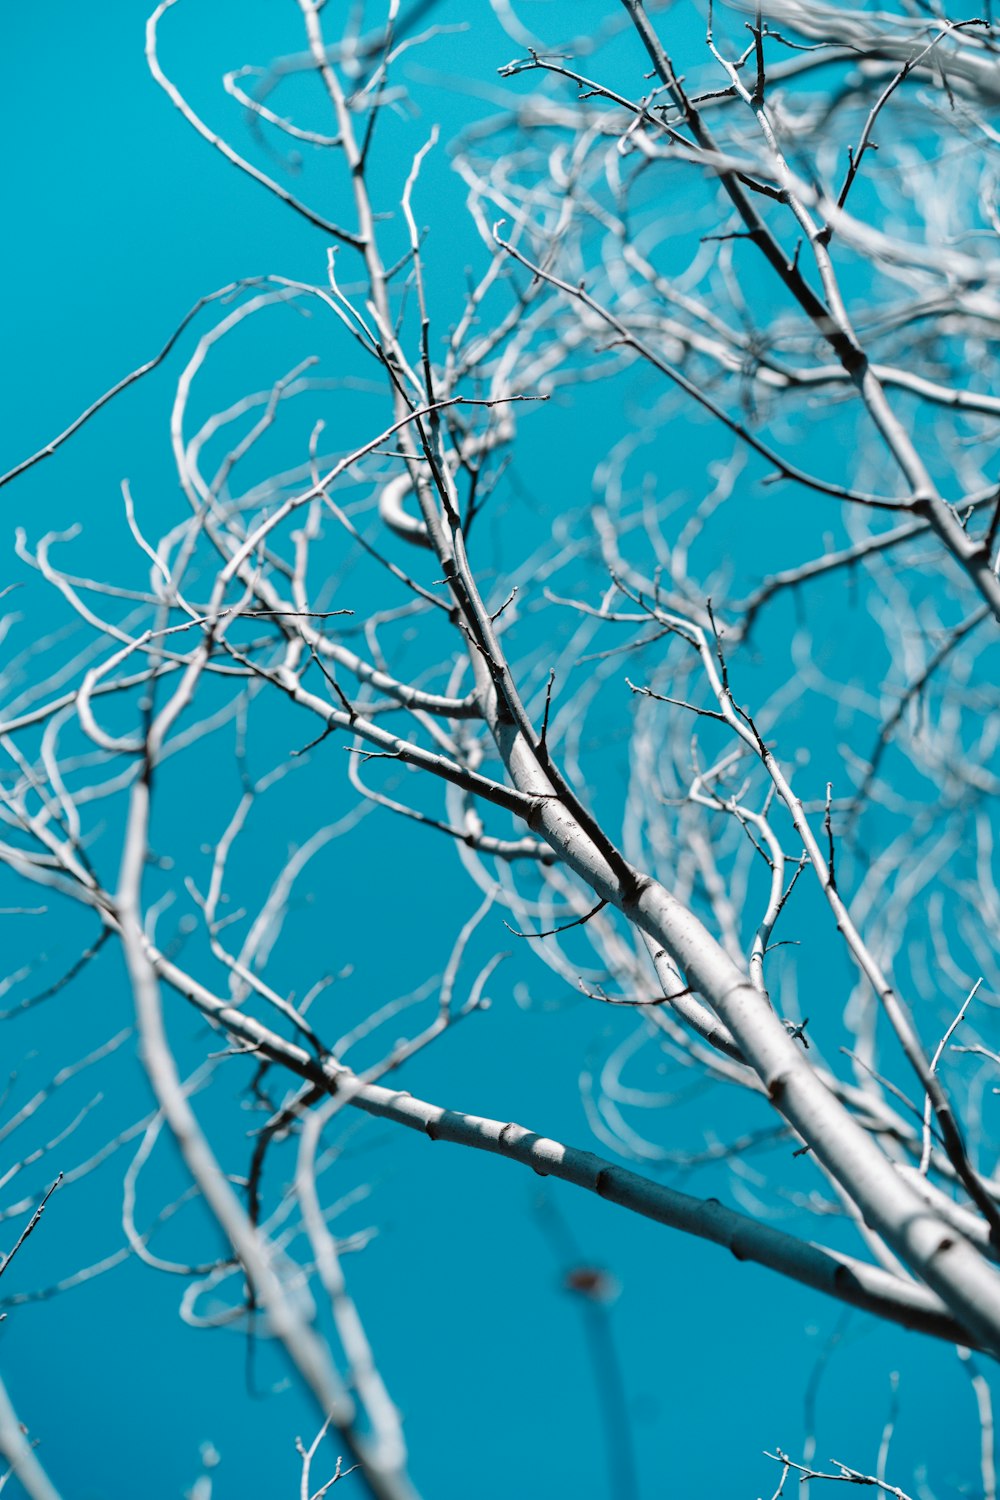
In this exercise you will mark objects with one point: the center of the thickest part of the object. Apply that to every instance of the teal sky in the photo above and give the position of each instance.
(117, 219)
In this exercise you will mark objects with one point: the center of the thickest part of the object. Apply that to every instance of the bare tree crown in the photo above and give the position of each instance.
(713, 746)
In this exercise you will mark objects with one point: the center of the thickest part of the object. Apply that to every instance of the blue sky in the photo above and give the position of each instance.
(118, 218)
